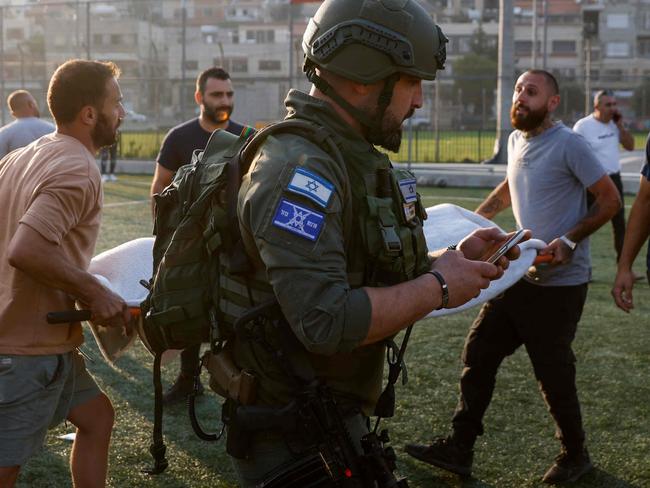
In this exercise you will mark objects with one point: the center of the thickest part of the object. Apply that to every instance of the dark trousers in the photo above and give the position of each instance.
(618, 220)
(544, 319)
(190, 360)
(105, 154)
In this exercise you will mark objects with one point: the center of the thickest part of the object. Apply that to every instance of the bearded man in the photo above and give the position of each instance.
(215, 97)
(51, 196)
(549, 167)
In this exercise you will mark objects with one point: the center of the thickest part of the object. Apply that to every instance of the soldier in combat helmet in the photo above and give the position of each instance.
(340, 243)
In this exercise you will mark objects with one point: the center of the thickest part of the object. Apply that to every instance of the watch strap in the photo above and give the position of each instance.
(572, 245)
(443, 287)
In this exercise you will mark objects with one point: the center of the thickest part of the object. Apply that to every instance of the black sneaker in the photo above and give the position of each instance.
(444, 453)
(180, 390)
(568, 468)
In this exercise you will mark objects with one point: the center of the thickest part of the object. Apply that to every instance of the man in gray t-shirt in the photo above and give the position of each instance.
(547, 176)
(27, 127)
(549, 167)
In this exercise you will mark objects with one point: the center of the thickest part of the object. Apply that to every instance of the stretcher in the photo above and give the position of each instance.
(124, 268)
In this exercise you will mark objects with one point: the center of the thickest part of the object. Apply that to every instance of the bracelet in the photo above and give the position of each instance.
(452, 247)
(443, 286)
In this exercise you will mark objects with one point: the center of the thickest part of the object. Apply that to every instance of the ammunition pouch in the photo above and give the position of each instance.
(227, 380)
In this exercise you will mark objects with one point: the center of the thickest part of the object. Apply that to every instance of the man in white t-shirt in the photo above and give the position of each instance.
(604, 130)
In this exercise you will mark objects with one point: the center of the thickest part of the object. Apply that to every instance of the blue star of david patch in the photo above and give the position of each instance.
(312, 186)
(298, 220)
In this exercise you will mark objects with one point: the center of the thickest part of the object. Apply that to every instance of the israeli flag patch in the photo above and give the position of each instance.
(312, 186)
(298, 220)
(408, 189)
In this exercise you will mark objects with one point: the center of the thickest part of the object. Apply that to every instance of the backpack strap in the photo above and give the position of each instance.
(157, 448)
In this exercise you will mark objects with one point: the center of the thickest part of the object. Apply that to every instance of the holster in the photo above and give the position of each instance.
(227, 380)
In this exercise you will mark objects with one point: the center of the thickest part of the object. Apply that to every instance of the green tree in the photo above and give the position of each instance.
(475, 82)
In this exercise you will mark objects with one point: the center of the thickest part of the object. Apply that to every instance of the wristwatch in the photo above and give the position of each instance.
(572, 245)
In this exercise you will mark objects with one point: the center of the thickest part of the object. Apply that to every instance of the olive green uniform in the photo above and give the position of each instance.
(317, 250)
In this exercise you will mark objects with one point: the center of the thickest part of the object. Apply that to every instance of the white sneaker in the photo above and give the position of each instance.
(105, 178)
(112, 177)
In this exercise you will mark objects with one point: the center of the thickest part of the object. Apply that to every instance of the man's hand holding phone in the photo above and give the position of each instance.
(494, 246)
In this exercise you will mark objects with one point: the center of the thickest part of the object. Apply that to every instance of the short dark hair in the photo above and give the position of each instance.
(602, 93)
(550, 79)
(76, 84)
(214, 72)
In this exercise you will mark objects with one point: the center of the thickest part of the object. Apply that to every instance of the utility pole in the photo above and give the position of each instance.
(290, 43)
(587, 75)
(590, 29)
(533, 57)
(183, 63)
(88, 31)
(545, 35)
(77, 34)
(504, 83)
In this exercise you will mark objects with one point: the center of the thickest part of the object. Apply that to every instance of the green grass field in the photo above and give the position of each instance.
(613, 351)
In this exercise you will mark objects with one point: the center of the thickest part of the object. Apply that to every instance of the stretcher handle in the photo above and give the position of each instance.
(546, 258)
(67, 316)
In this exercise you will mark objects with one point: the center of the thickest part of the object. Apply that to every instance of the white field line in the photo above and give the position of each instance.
(468, 199)
(124, 204)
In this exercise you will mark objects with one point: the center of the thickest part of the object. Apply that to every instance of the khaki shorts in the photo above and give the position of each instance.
(37, 393)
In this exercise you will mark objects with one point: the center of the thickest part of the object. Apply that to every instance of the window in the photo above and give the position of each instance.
(236, 65)
(464, 44)
(617, 50)
(15, 34)
(98, 39)
(191, 64)
(269, 65)
(643, 47)
(239, 65)
(564, 47)
(260, 36)
(524, 48)
(646, 20)
(618, 21)
(116, 39)
(612, 75)
(567, 72)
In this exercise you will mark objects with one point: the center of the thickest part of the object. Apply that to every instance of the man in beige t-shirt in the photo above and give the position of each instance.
(51, 200)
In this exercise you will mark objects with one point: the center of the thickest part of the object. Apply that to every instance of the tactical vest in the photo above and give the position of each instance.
(389, 216)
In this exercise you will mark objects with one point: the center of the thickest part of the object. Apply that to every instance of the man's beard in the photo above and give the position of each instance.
(529, 121)
(103, 135)
(217, 115)
(389, 134)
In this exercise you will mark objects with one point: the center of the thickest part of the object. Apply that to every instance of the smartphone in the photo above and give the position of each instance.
(506, 246)
(617, 116)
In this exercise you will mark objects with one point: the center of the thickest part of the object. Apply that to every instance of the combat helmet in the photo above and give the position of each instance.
(371, 40)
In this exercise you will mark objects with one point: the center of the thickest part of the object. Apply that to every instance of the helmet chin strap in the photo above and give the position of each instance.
(371, 123)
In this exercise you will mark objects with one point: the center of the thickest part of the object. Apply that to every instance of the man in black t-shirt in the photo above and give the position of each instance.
(215, 96)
